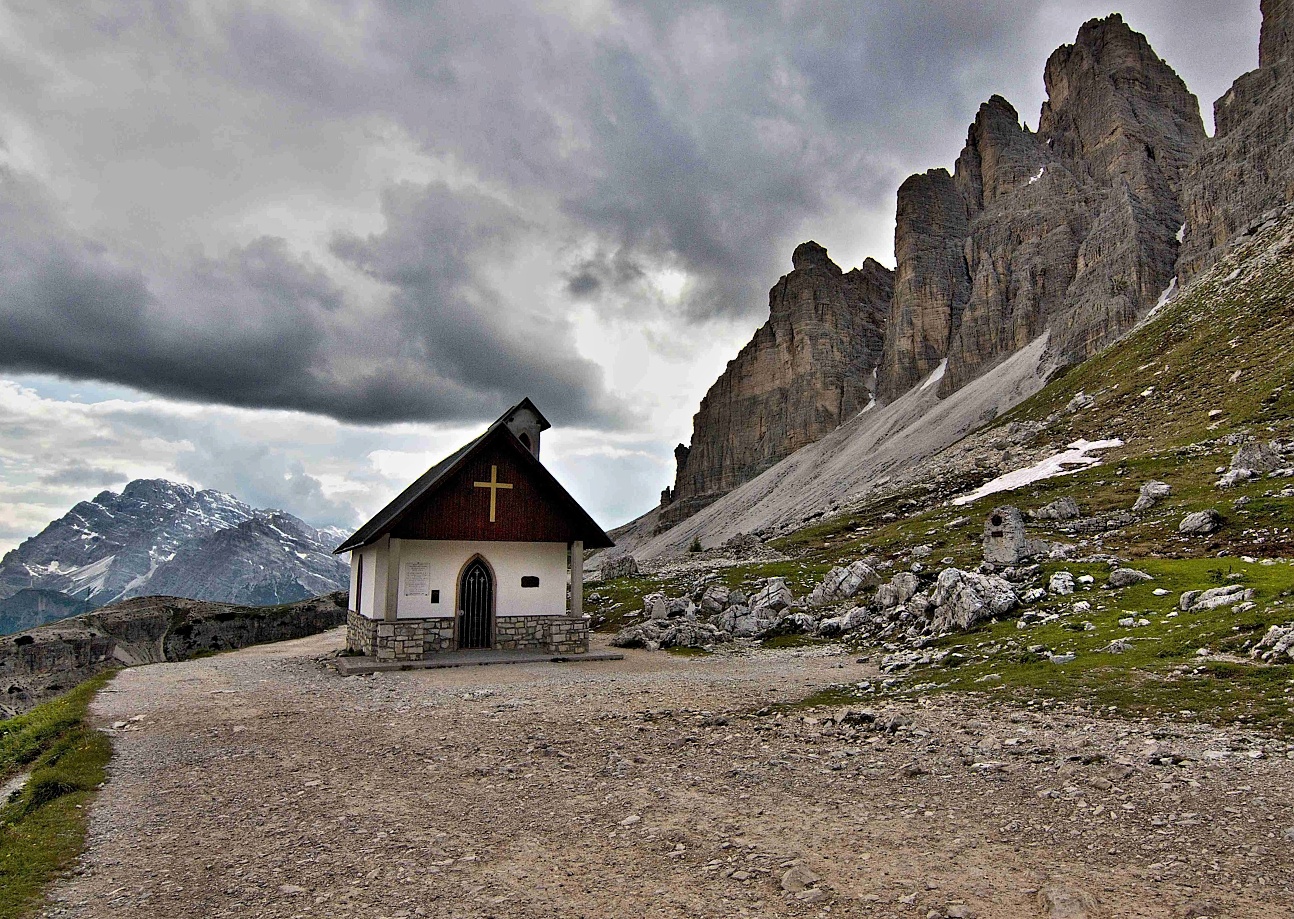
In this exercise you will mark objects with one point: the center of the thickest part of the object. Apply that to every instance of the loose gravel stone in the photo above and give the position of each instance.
(260, 785)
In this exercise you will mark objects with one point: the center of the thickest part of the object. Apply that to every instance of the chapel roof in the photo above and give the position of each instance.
(594, 537)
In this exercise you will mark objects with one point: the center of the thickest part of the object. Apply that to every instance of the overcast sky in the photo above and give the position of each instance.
(299, 250)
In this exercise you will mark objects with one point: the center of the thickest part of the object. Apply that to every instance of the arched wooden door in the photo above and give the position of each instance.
(476, 606)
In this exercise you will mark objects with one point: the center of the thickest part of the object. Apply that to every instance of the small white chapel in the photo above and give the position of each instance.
(484, 550)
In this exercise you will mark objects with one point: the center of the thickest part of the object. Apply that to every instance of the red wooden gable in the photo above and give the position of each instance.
(529, 511)
(451, 500)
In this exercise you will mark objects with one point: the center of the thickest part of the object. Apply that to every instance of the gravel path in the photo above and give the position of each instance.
(259, 783)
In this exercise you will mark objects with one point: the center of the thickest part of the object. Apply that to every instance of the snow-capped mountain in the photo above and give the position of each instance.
(157, 537)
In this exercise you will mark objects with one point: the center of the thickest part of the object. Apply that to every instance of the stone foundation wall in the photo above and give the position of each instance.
(417, 639)
(567, 635)
(402, 640)
(556, 634)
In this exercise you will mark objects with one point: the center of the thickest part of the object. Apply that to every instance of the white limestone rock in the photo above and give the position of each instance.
(744, 622)
(1277, 646)
(1257, 456)
(655, 606)
(714, 599)
(1230, 595)
(843, 583)
(1065, 508)
(1150, 495)
(774, 597)
(898, 591)
(963, 599)
(1126, 577)
(1200, 523)
(1061, 584)
(621, 566)
(845, 623)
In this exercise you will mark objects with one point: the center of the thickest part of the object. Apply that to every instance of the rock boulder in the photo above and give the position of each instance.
(963, 599)
(1150, 495)
(842, 583)
(1200, 523)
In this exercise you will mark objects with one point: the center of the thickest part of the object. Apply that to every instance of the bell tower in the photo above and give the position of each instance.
(527, 422)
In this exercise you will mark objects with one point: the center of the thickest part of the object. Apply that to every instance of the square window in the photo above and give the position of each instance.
(530, 580)
(435, 596)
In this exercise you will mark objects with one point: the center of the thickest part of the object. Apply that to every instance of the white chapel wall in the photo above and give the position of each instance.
(373, 593)
(511, 562)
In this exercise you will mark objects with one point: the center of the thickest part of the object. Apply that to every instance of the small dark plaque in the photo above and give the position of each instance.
(435, 596)
(530, 580)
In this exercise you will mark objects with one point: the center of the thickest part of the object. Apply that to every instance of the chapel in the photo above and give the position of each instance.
(484, 550)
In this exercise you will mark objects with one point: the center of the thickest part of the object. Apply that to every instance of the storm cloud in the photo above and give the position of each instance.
(384, 212)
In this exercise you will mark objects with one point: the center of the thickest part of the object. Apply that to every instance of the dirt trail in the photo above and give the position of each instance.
(258, 784)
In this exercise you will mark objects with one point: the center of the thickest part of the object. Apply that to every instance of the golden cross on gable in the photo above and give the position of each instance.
(493, 485)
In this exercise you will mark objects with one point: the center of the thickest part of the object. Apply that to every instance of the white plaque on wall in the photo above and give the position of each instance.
(417, 579)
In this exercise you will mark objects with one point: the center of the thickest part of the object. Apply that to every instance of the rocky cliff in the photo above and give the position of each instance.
(1247, 169)
(1071, 230)
(45, 661)
(1068, 235)
(810, 367)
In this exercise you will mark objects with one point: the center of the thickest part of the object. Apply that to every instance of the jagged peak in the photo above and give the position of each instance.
(812, 255)
(996, 104)
(871, 266)
(144, 489)
(1000, 154)
(1104, 45)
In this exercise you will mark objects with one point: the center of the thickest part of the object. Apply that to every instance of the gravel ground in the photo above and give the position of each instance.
(259, 783)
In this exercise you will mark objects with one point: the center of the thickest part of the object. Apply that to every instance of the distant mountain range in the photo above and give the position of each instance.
(162, 538)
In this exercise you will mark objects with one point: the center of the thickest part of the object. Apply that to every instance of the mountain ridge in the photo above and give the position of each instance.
(162, 537)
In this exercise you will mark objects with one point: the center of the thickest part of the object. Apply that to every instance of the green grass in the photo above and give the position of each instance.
(1159, 673)
(831, 697)
(611, 603)
(42, 827)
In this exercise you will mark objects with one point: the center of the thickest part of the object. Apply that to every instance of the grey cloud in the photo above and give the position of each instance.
(79, 473)
(662, 135)
(248, 334)
(263, 477)
(449, 317)
(617, 272)
(264, 328)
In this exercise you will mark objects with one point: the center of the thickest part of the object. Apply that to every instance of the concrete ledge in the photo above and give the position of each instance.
(352, 666)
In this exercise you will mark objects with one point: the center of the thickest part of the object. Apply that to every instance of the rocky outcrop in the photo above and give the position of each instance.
(1200, 523)
(1247, 169)
(809, 368)
(931, 286)
(42, 662)
(31, 607)
(1070, 231)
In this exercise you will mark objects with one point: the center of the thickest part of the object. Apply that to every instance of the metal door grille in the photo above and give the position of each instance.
(476, 607)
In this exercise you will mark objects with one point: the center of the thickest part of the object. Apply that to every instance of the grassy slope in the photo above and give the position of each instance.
(42, 828)
(1223, 346)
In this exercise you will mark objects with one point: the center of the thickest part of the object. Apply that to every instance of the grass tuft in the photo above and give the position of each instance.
(42, 827)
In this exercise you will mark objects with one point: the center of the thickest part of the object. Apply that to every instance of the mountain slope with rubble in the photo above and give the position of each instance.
(1124, 534)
